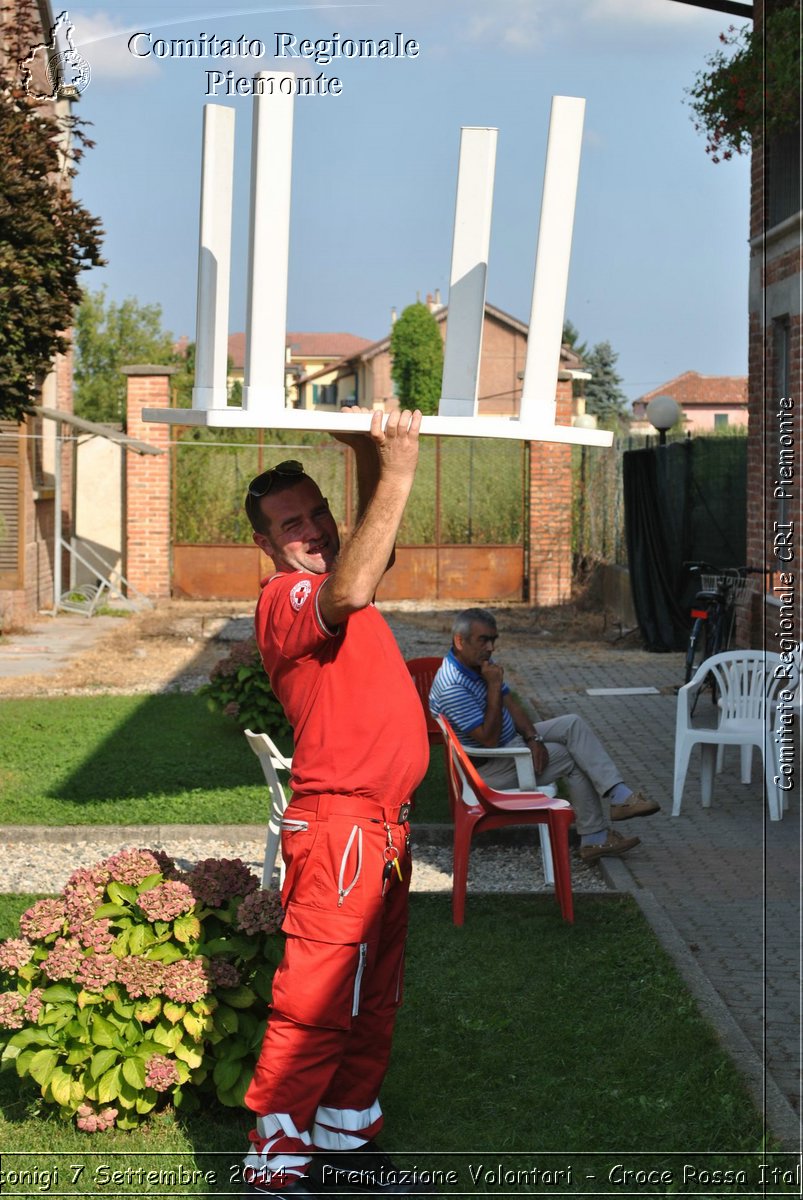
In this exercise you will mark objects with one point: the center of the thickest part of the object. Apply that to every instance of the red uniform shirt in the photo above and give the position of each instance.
(358, 722)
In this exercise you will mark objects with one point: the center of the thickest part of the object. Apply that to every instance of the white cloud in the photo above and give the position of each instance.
(664, 13)
(104, 45)
(516, 25)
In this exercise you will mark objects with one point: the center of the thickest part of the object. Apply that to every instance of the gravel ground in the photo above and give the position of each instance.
(45, 867)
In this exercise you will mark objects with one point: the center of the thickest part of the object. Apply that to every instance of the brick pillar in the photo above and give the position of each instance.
(147, 483)
(550, 574)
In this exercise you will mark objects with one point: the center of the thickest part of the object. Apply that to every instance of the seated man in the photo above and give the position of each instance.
(469, 690)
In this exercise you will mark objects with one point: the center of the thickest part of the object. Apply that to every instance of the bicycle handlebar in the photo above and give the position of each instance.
(709, 569)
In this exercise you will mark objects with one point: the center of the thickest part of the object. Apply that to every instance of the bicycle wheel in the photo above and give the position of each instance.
(696, 653)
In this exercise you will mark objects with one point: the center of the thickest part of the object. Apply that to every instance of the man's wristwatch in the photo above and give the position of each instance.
(534, 737)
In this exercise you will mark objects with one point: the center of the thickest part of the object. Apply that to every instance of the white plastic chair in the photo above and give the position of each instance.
(523, 761)
(790, 684)
(272, 760)
(748, 684)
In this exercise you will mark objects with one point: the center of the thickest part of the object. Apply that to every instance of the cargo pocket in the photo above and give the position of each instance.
(320, 979)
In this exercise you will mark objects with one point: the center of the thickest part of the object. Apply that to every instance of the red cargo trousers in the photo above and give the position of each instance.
(338, 987)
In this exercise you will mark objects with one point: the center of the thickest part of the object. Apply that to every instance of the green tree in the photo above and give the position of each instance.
(182, 383)
(571, 338)
(416, 348)
(47, 238)
(109, 336)
(604, 396)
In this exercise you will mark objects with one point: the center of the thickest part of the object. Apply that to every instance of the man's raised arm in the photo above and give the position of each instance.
(364, 560)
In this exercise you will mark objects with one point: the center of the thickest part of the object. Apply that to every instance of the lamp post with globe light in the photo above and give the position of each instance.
(663, 412)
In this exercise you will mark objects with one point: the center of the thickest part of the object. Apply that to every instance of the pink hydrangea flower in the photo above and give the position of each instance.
(132, 866)
(140, 976)
(83, 892)
(261, 912)
(95, 935)
(223, 973)
(160, 1073)
(166, 901)
(11, 1013)
(95, 1122)
(63, 959)
(216, 880)
(33, 1005)
(97, 971)
(43, 918)
(15, 953)
(186, 981)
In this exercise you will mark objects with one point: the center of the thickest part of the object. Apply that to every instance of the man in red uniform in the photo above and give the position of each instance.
(360, 751)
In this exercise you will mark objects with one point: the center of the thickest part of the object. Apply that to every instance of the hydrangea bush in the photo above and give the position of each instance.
(239, 687)
(140, 985)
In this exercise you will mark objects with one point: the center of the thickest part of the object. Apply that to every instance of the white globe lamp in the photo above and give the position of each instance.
(663, 412)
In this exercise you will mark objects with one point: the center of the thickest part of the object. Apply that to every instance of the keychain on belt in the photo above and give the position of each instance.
(391, 855)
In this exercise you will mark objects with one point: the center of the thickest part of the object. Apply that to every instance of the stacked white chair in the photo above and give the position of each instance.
(748, 684)
(272, 761)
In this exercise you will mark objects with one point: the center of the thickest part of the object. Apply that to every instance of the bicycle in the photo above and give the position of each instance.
(714, 612)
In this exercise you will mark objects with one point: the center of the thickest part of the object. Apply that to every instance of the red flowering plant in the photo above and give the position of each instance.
(750, 88)
(240, 688)
(140, 985)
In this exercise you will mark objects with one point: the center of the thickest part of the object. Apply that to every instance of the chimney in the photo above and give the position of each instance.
(393, 315)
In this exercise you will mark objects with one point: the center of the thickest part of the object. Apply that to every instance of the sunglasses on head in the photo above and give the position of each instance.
(263, 483)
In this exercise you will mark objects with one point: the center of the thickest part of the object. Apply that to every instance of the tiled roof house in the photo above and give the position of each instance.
(364, 375)
(708, 401)
(307, 353)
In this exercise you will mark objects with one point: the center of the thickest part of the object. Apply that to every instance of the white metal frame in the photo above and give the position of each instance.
(263, 404)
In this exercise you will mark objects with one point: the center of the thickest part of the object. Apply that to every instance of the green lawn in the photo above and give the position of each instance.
(130, 760)
(524, 1044)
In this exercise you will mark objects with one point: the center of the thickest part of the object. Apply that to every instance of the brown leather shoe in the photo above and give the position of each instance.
(613, 846)
(637, 806)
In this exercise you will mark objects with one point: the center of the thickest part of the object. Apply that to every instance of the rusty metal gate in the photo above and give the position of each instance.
(462, 538)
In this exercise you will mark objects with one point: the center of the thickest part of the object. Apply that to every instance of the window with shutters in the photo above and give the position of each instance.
(9, 505)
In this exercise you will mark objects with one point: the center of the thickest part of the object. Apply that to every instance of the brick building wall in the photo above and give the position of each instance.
(771, 615)
(504, 350)
(148, 561)
(549, 578)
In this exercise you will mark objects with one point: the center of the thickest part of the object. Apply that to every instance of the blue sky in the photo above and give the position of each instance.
(660, 255)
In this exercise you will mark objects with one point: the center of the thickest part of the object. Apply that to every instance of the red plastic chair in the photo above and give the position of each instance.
(478, 807)
(423, 671)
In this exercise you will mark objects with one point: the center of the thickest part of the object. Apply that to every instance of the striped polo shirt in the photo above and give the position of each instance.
(461, 695)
